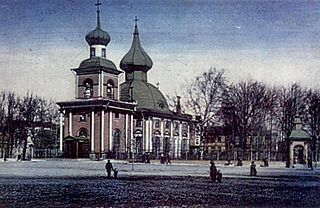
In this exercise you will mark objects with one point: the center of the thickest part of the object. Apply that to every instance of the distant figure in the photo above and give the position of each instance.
(115, 173)
(213, 172)
(5, 157)
(265, 162)
(219, 176)
(109, 168)
(143, 158)
(310, 163)
(228, 163)
(253, 171)
(147, 158)
(168, 160)
(239, 162)
(162, 159)
(19, 157)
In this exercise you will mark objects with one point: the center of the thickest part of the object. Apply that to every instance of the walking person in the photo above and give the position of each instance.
(213, 172)
(253, 171)
(109, 168)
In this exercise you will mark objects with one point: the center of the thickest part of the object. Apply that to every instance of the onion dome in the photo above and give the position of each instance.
(98, 36)
(136, 59)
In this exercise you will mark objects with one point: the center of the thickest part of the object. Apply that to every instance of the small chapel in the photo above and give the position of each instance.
(108, 119)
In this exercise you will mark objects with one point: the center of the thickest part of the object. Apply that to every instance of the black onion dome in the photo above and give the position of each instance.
(136, 59)
(98, 36)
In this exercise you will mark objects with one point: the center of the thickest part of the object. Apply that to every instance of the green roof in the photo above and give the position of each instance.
(136, 58)
(147, 95)
(299, 134)
(97, 63)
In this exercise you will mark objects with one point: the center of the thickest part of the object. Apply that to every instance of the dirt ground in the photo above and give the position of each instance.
(155, 191)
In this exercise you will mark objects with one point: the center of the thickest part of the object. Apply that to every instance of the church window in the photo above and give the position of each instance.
(116, 115)
(92, 52)
(83, 117)
(176, 125)
(88, 88)
(83, 132)
(110, 90)
(157, 123)
(103, 52)
(139, 123)
(168, 124)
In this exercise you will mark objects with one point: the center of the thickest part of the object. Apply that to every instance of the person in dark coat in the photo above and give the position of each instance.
(213, 172)
(310, 163)
(219, 176)
(265, 162)
(239, 162)
(109, 168)
(253, 171)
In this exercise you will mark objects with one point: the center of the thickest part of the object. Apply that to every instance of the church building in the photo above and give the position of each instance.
(108, 119)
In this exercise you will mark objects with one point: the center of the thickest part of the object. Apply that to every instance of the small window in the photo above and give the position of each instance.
(157, 123)
(83, 117)
(168, 124)
(139, 123)
(116, 115)
(92, 52)
(219, 139)
(110, 90)
(88, 88)
(103, 52)
(176, 125)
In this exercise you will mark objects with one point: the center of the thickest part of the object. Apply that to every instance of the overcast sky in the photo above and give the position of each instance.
(272, 41)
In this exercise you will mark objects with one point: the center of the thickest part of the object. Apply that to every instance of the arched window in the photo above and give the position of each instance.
(83, 132)
(110, 90)
(116, 142)
(88, 88)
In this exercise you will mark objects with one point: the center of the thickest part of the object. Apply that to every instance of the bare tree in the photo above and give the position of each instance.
(291, 102)
(204, 94)
(28, 109)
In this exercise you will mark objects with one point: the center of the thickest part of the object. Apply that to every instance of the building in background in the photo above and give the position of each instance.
(109, 119)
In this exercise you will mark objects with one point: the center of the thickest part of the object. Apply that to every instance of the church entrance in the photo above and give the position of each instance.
(298, 154)
(116, 143)
(76, 147)
(156, 146)
(166, 146)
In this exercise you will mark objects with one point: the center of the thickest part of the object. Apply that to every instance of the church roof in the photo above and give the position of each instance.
(97, 63)
(98, 36)
(136, 58)
(147, 95)
(298, 132)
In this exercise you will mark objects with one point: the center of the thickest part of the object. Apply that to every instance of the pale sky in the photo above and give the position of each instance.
(272, 41)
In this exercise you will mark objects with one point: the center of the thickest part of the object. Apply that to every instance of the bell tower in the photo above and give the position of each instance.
(97, 77)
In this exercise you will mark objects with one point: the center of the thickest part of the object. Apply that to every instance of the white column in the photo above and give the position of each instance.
(99, 86)
(131, 132)
(110, 131)
(70, 123)
(180, 139)
(126, 131)
(76, 83)
(92, 131)
(161, 136)
(102, 130)
(61, 131)
(150, 134)
(172, 145)
(188, 139)
(147, 135)
(102, 85)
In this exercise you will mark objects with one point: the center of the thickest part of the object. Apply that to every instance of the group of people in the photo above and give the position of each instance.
(165, 159)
